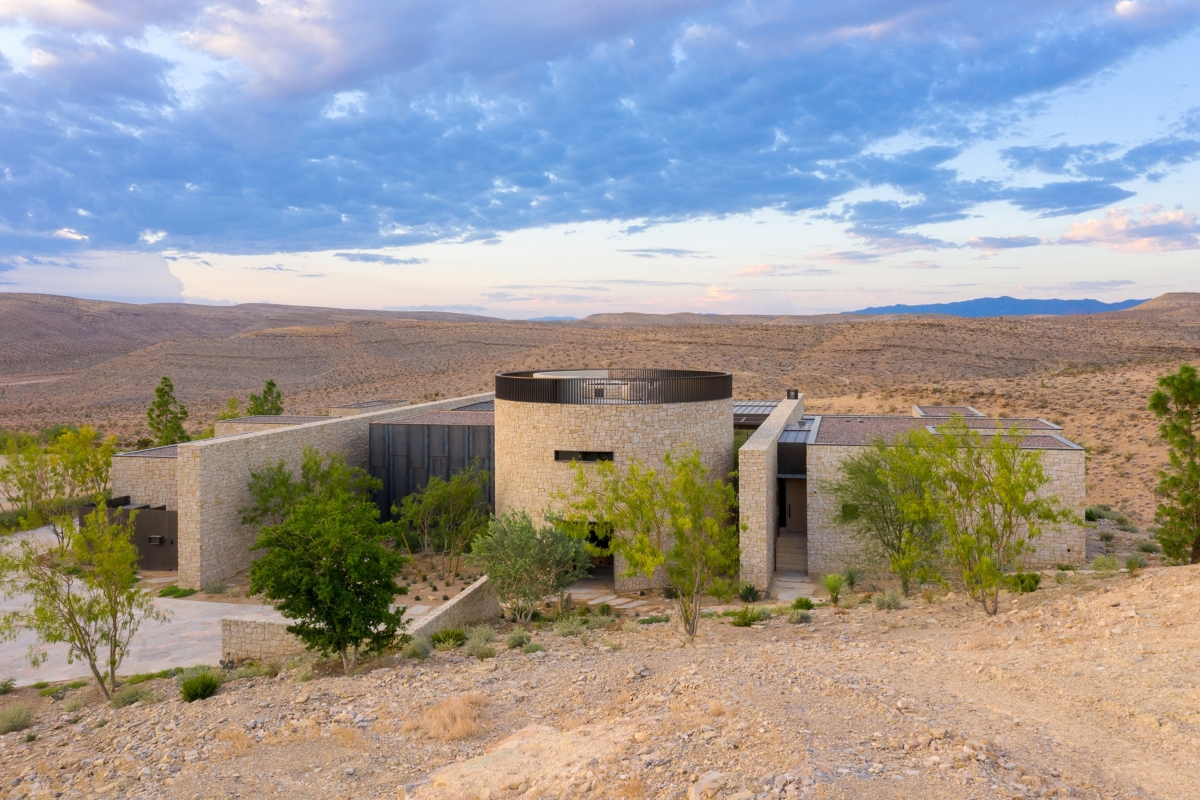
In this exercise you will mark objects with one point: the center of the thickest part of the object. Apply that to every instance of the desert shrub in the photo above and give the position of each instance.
(799, 617)
(569, 626)
(834, 582)
(517, 638)
(598, 623)
(604, 610)
(631, 626)
(142, 677)
(216, 587)
(929, 595)
(58, 692)
(128, 695)
(653, 619)
(1067, 577)
(15, 717)
(749, 593)
(480, 649)
(174, 590)
(449, 638)
(451, 719)
(419, 648)
(73, 704)
(532, 647)
(199, 687)
(852, 576)
(482, 633)
(1023, 582)
(748, 615)
(1107, 537)
(1147, 546)
(1134, 563)
(7, 685)
(1105, 564)
(670, 593)
(887, 601)
(803, 604)
(252, 669)
(1065, 567)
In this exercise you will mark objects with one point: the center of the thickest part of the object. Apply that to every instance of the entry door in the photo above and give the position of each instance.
(795, 506)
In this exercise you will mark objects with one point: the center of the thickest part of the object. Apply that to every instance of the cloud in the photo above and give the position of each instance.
(273, 268)
(1156, 232)
(1094, 286)
(1067, 197)
(845, 256)
(1106, 161)
(780, 271)
(152, 237)
(641, 282)
(377, 258)
(672, 252)
(460, 308)
(1002, 242)
(69, 233)
(538, 298)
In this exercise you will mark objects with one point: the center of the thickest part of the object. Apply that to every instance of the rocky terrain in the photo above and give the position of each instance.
(1086, 689)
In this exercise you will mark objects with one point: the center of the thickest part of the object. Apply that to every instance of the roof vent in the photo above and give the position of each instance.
(793, 394)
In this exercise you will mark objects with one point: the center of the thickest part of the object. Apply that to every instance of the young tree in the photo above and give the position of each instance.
(274, 491)
(48, 483)
(525, 563)
(269, 403)
(446, 515)
(328, 566)
(1177, 403)
(984, 492)
(82, 592)
(681, 522)
(166, 415)
(880, 492)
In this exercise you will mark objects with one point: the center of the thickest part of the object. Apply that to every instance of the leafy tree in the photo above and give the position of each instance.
(525, 563)
(82, 592)
(269, 403)
(47, 484)
(328, 566)
(680, 522)
(446, 515)
(1176, 403)
(232, 410)
(274, 491)
(880, 493)
(166, 415)
(985, 496)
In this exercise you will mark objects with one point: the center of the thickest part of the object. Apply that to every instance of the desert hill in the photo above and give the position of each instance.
(1005, 306)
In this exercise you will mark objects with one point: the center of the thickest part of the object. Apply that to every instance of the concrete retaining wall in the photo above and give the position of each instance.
(758, 488)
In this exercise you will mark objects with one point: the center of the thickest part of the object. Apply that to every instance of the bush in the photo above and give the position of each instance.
(15, 717)
(1134, 563)
(748, 615)
(749, 593)
(419, 648)
(852, 577)
(1023, 582)
(175, 591)
(1105, 564)
(1066, 567)
(128, 695)
(532, 647)
(480, 649)
(517, 638)
(803, 604)
(834, 582)
(73, 704)
(799, 617)
(482, 633)
(1107, 537)
(598, 623)
(569, 626)
(142, 677)
(216, 587)
(199, 687)
(449, 638)
(653, 619)
(7, 685)
(604, 610)
(1147, 546)
(888, 601)
(251, 669)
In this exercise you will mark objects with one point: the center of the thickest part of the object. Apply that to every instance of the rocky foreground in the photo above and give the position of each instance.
(1080, 690)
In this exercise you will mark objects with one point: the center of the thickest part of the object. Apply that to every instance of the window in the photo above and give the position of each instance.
(583, 455)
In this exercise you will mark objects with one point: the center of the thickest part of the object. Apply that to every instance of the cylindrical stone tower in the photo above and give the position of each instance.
(547, 420)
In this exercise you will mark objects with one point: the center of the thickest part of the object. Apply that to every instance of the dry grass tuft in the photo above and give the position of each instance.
(455, 718)
(632, 789)
(716, 708)
(237, 740)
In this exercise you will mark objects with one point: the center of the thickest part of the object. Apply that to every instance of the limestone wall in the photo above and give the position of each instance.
(150, 480)
(758, 487)
(232, 427)
(527, 434)
(475, 604)
(213, 474)
(832, 547)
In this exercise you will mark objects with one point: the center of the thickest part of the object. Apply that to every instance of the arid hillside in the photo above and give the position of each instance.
(68, 360)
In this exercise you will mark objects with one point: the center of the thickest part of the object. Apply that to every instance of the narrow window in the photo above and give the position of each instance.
(583, 455)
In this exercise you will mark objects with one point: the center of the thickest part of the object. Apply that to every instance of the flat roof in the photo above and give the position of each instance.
(946, 411)
(166, 451)
(278, 419)
(752, 413)
(442, 418)
(857, 430)
(366, 403)
(482, 405)
(799, 432)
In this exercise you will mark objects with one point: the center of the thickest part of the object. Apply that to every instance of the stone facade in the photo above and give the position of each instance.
(212, 477)
(475, 604)
(832, 547)
(758, 487)
(146, 479)
(232, 427)
(527, 434)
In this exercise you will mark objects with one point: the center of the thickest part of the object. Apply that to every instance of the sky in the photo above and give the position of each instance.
(568, 157)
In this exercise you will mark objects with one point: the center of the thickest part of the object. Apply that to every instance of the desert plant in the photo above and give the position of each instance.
(598, 622)
(128, 695)
(216, 587)
(1176, 403)
(419, 648)
(1105, 564)
(1147, 546)
(532, 647)
(891, 600)
(166, 415)
(454, 718)
(803, 604)
(1134, 563)
(199, 687)
(676, 523)
(445, 516)
(483, 633)
(267, 404)
(852, 576)
(834, 582)
(748, 615)
(15, 717)
(174, 590)
(749, 593)
(7, 685)
(517, 638)
(653, 619)
(480, 649)
(604, 610)
(1107, 537)
(449, 638)
(73, 704)
(1022, 582)
(799, 617)
(569, 626)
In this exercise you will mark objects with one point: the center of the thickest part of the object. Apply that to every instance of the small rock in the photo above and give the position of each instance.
(706, 786)
(641, 736)
(937, 733)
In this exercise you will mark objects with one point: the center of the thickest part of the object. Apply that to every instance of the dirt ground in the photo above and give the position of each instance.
(1086, 690)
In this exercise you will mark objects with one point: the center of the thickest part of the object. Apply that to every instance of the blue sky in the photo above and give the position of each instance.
(563, 158)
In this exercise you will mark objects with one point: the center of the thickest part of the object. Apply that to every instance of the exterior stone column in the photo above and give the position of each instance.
(758, 488)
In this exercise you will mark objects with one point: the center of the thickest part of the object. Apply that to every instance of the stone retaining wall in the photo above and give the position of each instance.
(150, 480)
(758, 488)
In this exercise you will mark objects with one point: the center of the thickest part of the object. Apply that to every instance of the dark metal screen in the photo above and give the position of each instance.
(617, 387)
(404, 457)
(155, 532)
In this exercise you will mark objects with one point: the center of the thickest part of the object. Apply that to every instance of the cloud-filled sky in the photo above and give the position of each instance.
(562, 157)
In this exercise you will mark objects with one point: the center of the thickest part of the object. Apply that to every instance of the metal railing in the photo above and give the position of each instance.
(615, 386)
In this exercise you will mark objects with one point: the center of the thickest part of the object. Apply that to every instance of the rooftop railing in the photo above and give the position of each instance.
(608, 387)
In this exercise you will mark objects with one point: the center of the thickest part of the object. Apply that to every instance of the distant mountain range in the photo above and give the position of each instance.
(1004, 307)
(552, 319)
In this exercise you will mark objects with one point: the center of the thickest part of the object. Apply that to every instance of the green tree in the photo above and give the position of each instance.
(680, 522)
(329, 567)
(525, 563)
(985, 494)
(274, 491)
(269, 403)
(166, 415)
(82, 592)
(47, 484)
(232, 410)
(1176, 403)
(880, 493)
(446, 515)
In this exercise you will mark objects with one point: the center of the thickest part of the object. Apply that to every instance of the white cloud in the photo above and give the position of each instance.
(1157, 231)
(150, 237)
(69, 233)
